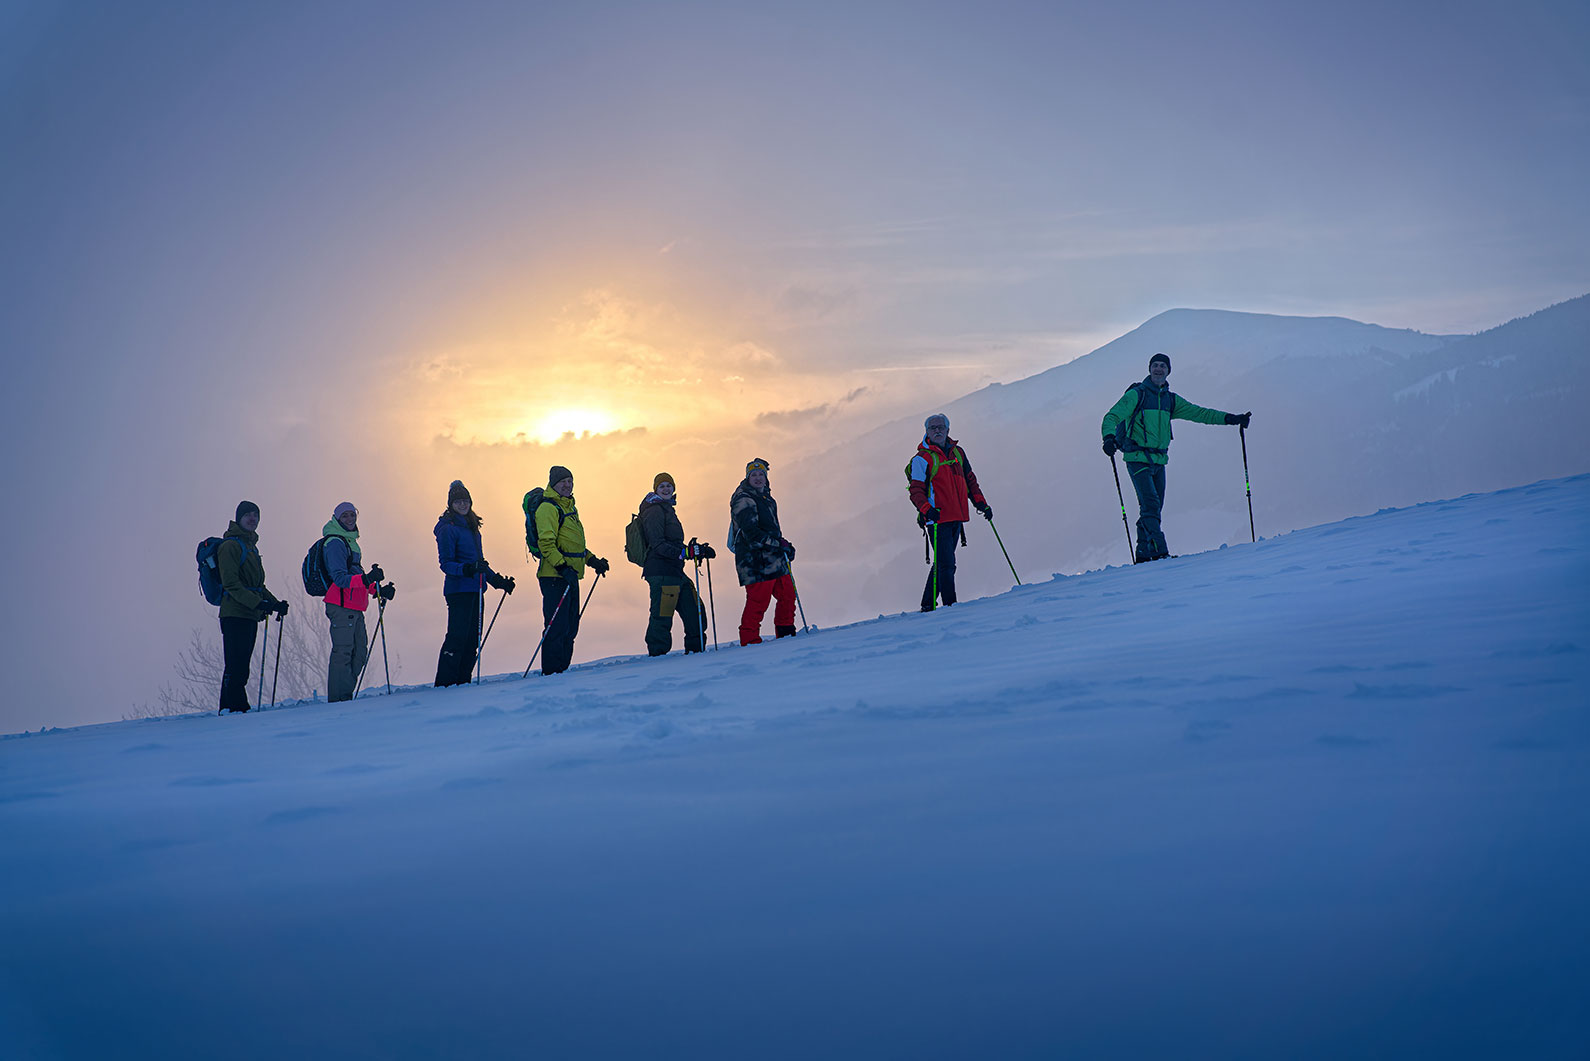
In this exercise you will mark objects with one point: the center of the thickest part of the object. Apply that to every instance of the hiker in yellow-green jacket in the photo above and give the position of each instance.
(1139, 427)
(560, 538)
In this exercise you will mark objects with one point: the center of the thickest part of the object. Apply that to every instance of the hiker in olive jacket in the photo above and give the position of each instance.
(561, 538)
(246, 603)
(1139, 427)
(761, 556)
(664, 570)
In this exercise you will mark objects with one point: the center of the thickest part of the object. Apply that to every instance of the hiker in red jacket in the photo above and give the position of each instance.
(944, 489)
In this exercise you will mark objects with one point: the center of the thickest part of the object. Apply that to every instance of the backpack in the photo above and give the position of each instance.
(210, 569)
(734, 537)
(934, 464)
(532, 503)
(635, 542)
(317, 579)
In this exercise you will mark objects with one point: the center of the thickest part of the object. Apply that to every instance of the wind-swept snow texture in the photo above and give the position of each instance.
(1325, 796)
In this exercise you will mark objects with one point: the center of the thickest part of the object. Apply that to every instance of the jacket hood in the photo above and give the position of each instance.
(333, 529)
(948, 442)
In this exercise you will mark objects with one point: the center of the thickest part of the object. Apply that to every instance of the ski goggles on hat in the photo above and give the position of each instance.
(757, 465)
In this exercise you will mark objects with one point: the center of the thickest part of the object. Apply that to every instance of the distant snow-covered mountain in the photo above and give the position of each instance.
(1348, 418)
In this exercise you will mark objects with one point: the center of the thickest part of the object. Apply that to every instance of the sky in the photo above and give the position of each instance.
(309, 253)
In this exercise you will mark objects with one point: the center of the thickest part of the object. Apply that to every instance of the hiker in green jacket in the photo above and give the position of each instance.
(1139, 426)
(247, 602)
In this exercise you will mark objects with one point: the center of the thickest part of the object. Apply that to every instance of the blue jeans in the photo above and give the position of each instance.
(1148, 480)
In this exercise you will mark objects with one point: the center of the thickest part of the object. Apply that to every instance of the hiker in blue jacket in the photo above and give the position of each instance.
(459, 553)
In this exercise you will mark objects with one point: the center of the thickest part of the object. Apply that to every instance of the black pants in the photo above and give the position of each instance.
(237, 652)
(562, 623)
(670, 595)
(457, 661)
(947, 536)
(1148, 480)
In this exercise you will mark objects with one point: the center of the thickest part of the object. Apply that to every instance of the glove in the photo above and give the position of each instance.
(506, 584)
(281, 608)
(1110, 445)
(789, 550)
(388, 591)
(470, 569)
(599, 565)
(985, 509)
(707, 551)
(375, 574)
(930, 515)
(1238, 419)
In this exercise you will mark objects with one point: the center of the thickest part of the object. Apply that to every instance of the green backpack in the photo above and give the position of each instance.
(532, 502)
(635, 542)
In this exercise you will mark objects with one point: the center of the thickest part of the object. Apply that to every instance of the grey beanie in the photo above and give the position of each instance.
(457, 492)
(558, 474)
(244, 508)
(1160, 357)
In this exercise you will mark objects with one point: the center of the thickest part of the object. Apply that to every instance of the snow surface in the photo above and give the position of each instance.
(1324, 796)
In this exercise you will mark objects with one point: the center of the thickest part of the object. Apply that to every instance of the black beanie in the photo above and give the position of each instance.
(458, 492)
(1160, 357)
(558, 474)
(244, 508)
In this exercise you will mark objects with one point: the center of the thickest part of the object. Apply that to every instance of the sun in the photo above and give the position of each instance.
(559, 422)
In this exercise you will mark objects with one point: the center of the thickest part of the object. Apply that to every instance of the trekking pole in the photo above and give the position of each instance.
(1001, 542)
(378, 632)
(699, 611)
(933, 544)
(1242, 432)
(548, 627)
(488, 628)
(259, 697)
(381, 629)
(589, 594)
(480, 620)
(713, 605)
(278, 673)
(1124, 525)
(791, 573)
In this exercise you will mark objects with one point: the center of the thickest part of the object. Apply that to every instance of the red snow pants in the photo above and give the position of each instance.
(757, 595)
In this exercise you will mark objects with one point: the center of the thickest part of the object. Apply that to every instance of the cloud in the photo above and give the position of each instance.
(795, 419)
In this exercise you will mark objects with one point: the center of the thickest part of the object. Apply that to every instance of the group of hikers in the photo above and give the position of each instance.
(941, 487)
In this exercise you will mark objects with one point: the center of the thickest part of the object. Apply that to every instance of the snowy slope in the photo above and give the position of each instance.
(1320, 797)
(1348, 418)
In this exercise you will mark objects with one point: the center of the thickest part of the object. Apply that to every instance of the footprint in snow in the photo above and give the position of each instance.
(354, 769)
(143, 748)
(1343, 740)
(1401, 692)
(23, 797)
(210, 782)
(464, 784)
(1202, 730)
(299, 814)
